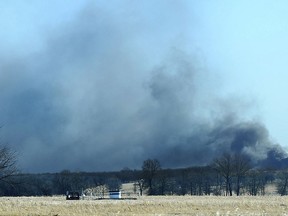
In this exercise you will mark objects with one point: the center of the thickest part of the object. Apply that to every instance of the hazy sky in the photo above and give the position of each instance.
(84, 84)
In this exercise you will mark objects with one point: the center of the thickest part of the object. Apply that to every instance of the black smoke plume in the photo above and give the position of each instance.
(90, 101)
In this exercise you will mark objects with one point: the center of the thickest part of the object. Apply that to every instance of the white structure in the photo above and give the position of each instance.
(115, 194)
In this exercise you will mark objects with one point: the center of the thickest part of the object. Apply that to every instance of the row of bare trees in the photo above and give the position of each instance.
(228, 174)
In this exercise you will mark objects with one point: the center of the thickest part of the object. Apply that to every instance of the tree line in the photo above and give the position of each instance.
(229, 174)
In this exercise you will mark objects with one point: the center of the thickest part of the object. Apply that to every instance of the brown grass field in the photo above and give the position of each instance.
(146, 205)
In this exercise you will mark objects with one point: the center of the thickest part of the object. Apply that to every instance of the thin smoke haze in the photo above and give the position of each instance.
(89, 101)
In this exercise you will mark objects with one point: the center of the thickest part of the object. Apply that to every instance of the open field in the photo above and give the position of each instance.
(160, 205)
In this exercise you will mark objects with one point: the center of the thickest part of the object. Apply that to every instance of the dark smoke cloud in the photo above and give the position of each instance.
(90, 101)
(184, 136)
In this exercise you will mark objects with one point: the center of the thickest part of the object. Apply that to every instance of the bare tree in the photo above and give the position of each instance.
(162, 179)
(8, 165)
(253, 182)
(232, 167)
(150, 169)
(140, 184)
(282, 182)
(224, 166)
(241, 168)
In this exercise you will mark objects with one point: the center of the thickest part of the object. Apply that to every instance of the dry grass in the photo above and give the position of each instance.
(162, 205)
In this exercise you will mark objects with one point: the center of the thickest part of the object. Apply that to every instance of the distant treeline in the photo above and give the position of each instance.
(228, 175)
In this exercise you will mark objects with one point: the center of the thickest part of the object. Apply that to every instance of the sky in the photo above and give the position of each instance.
(103, 85)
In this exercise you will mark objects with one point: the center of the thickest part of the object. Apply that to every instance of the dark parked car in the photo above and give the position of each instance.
(72, 195)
